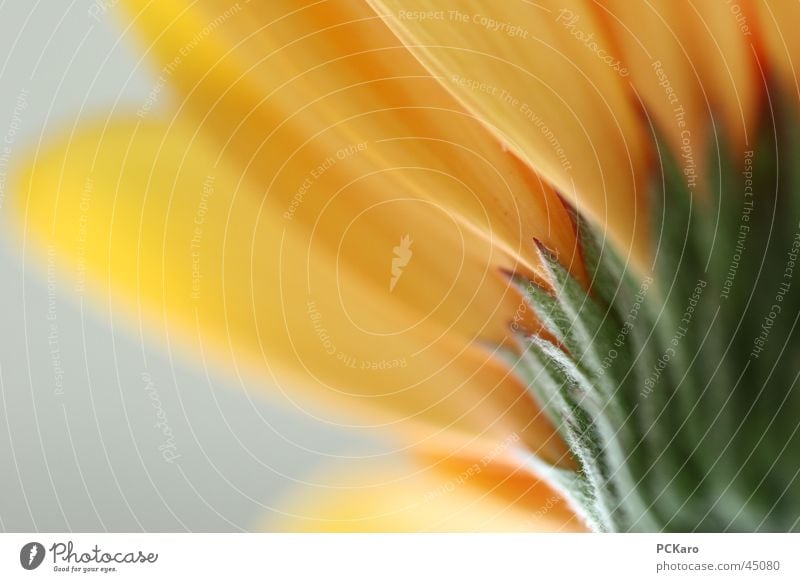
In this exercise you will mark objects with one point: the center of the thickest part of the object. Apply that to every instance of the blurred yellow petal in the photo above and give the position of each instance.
(286, 85)
(162, 227)
(417, 499)
(520, 66)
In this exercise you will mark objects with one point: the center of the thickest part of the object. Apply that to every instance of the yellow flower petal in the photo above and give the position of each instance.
(159, 224)
(417, 499)
(288, 85)
(530, 75)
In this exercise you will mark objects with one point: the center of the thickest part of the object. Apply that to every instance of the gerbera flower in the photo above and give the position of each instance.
(512, 232)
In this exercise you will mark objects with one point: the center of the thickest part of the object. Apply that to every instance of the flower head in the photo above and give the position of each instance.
(437, 216)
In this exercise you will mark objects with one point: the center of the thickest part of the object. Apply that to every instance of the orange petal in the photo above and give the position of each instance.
(693, 67)
(417, 499)
(537, 86)
(780, 42)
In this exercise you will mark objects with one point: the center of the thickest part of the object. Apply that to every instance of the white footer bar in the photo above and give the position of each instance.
(390, 557)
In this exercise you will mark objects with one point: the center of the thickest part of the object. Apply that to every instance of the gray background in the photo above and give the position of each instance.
(88, 460)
